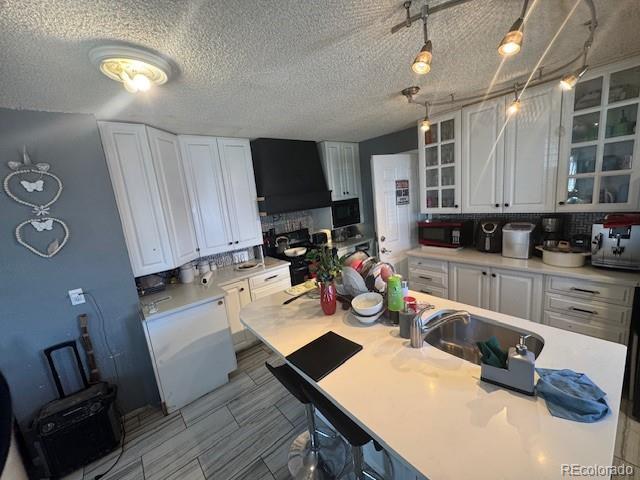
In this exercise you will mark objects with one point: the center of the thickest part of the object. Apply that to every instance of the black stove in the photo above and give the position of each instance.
(299, 268)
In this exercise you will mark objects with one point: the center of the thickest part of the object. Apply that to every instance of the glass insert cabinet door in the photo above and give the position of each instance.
(439, 164)
(599, 158)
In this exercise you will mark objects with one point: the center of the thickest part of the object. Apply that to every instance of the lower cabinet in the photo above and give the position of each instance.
(238, 295)
(184, 345)
(506, 291)
(429, 276)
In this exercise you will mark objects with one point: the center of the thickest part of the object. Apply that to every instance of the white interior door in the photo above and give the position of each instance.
(395, 218)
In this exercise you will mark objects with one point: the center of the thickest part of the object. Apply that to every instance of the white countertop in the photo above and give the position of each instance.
(187, 295)
(351, 242)
(429, 407)
(534, 264)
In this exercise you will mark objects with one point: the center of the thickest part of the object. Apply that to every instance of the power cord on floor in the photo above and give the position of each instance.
(98, 311)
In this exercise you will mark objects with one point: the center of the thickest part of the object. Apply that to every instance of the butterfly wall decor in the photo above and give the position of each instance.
(46, 224)
(36, 186)
(41, 225)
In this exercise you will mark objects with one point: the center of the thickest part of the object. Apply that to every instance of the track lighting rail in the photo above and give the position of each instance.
(411, 19)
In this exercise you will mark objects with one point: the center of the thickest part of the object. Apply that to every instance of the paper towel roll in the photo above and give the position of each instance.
(206, 279)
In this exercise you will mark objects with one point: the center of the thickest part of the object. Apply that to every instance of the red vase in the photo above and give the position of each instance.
(328, 298)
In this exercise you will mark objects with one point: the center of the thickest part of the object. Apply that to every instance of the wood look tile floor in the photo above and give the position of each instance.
(242, 431)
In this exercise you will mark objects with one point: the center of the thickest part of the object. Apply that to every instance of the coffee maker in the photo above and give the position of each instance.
(552, 230)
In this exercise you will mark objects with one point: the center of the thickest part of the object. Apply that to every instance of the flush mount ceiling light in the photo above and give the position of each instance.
(422, 63)
(137, 69)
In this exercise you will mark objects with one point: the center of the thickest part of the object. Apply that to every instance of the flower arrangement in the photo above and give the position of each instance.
(325, 264)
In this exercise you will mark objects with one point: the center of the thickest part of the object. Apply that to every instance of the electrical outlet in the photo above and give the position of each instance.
(76, 296)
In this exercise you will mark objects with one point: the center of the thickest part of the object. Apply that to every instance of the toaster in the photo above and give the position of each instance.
(517, 240)
(615, 243)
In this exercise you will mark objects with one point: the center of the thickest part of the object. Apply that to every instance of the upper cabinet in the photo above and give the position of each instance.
(483, 156)
(222, 189)
(599, 153)
(509, 163)
(341, 163)
(149, 186)
(439, 156)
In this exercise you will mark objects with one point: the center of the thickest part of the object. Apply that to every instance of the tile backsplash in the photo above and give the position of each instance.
(574, 223)
(287, 222)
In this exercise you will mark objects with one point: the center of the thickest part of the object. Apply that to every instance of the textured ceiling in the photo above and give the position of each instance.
(303, 69)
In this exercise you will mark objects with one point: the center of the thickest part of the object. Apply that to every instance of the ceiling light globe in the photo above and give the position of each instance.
(568, 81)
(425, 125)
(422, 63)
(142, 82)
(514, 107)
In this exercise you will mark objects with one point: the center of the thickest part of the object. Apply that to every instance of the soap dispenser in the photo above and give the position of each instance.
(522, 366)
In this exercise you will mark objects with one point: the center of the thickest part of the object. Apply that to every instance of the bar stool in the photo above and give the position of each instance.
(308, 458)
(355, 435)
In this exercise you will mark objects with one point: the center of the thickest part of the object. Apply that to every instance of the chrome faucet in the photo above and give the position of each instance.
(420, 329)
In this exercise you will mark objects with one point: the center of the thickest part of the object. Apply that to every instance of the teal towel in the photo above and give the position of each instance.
(492, 354)
(571, 395)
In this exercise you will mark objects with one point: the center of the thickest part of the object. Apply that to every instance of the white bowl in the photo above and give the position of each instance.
(369, 319)
(367, 304)
(295, 252)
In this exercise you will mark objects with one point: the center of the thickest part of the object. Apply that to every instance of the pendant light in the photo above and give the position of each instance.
(512, 42)
(569, 81)
(515, 105)
(422, 63)
(425, 125)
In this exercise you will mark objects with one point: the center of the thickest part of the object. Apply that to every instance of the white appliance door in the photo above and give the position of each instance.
(193, 352)
(395, 189)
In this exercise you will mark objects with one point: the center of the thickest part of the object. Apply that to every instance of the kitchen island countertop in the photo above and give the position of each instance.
(430, 409)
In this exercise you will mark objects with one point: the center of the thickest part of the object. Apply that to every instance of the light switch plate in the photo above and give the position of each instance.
(76, 296)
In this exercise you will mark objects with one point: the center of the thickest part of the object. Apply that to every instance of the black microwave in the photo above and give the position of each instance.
(345, 212)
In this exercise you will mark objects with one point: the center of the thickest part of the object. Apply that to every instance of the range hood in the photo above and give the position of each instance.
(289, 176)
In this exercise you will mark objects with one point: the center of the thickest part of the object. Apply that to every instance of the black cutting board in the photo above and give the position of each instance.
(323, 355)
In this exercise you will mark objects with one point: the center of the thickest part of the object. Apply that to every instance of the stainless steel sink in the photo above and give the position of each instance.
(459, 338)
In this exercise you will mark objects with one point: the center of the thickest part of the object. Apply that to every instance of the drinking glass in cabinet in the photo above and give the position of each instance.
(585, 127)
(446, 130)
(588, 94)
(624, 85)
(431, 156)
(447, 153)
(447, 177)
(432, 177)
(431, 135)
(617, 156)
(580, 190)
(582, 160)
(614, 188)
(621, 121)
(432, 198)
(448, 197)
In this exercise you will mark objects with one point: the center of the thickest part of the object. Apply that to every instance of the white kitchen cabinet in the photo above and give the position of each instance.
(150, 190)
(222, 192)
(531, 151)
(341, 163)
(599, 167)
(516, 293)
(469, 284)
(191, 351)
(505, 291)
(509, 164)
(439, 155)
(483, 156)
(238, 295)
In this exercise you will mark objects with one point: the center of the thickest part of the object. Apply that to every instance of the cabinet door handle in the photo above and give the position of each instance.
(584, 290)
(484, 273)
(230, 243)
(237, 241)
(582, 310)
(425, 291)
(220, 302)
(506, 204)
(425, 278)
(560, 203)
(455, 206)
(270, 278)
(497, 205)
(493, 275)
(242, 289)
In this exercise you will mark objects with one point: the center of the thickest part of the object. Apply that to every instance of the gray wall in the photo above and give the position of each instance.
(396, 142)
(35, 311)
